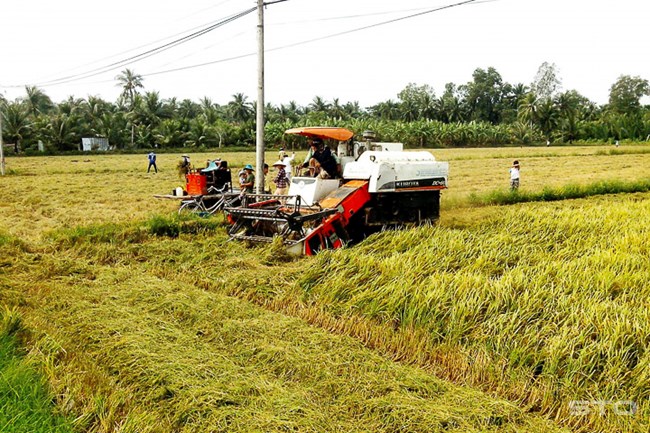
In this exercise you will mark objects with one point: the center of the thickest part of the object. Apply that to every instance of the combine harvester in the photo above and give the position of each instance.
(382, 186)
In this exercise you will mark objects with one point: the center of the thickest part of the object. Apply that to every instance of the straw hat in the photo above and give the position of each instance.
(280, 163)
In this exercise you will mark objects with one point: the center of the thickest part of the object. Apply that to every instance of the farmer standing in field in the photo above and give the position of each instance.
(281, 180)
(152, 161)
(514, 176)
(184, 166)
(284, 157)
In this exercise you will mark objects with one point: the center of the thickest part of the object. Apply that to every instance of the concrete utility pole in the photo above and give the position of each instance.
(2, 149)
(259, 134)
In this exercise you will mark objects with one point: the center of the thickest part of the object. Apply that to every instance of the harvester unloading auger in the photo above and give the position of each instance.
(381, 185)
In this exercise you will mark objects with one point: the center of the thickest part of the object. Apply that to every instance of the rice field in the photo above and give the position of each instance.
(497, 319)
(546, 302)
(48, 193)
(143, 347)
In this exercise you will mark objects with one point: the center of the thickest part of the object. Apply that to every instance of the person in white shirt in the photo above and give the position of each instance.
(514, 176)
(286, 159)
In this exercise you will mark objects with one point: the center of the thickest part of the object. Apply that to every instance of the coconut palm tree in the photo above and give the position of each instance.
(548, 117)
(239, 109)
(153, 109)
(387, 110)
(527, 111)
(16, 124)
(130, 83)
(568, 105)
(187, 109)
(319, 104)
(37, 101)
(353, 110)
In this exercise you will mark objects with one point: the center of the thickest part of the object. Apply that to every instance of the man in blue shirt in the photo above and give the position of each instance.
(152, 161)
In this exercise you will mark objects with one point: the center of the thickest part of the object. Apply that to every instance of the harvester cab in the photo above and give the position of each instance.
(381, 185)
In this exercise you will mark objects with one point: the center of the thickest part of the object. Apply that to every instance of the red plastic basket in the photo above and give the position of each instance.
(197, 184)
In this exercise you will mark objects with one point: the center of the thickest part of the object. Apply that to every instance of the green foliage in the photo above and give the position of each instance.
(174, 226)
(626, 93)
(10, 322)
(95, 234)
(487, 100)
(112, 233)
(484, 95)
(161, 226)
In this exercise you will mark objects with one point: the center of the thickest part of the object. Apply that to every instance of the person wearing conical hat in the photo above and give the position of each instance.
(184, 166)
(281, 180)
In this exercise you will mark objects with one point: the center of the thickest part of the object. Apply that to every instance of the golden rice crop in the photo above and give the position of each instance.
(555, 296)
(142, 346)
(539, 303)
(46, 193)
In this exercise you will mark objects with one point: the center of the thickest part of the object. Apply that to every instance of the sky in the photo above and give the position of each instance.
(325, 48)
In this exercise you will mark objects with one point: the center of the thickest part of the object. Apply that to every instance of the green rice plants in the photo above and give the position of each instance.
(173, 226)
(161, 226)
(10, 322)
(25, 400)
(566, 192)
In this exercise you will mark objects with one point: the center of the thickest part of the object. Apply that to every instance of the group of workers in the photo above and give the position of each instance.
(320, 162)
(281, 179)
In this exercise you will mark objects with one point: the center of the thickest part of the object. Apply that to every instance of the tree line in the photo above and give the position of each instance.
(486, 111)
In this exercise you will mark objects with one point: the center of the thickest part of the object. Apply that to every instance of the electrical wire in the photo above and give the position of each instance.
(149, 53)
(308, 41)
(144, 55)
(140, 47)
(364, 15)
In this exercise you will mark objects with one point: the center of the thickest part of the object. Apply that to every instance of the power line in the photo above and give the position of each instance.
(358, 29)
(308, 41)
(149, 53)
(363, 15)
(122, 53)
(144, 55)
